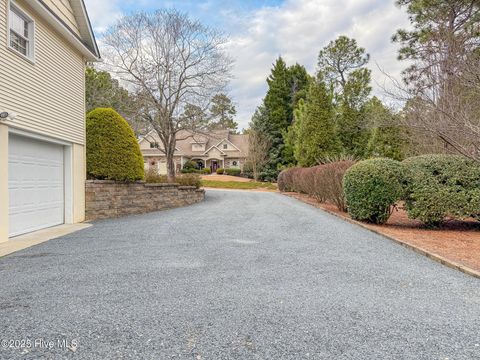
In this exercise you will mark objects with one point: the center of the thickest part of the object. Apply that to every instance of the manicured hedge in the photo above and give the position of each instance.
(324, 182)
(189, 180)
(233, 171)
(372, 187)
(220, 171)
(185, 179)
(112, 149)
(440, 186)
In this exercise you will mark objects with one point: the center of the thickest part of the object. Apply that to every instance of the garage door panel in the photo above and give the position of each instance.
(36, 185)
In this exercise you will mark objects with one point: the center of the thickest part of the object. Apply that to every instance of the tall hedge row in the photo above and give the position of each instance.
(440, 186)
(324, 182)
(112, 149)
(432, 187)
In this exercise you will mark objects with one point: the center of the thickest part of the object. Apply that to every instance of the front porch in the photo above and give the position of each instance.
(213, 164)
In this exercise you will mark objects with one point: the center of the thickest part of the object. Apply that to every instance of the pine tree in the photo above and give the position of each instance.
(317, 138)
(388, 138)
(222, 113)
(342, 63)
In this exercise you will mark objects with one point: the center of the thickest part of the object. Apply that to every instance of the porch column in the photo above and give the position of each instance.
(3, 183)
(223, 163)
(181, 162)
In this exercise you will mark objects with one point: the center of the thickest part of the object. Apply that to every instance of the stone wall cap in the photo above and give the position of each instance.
(114, 182)
(185, 187)
(162, 185)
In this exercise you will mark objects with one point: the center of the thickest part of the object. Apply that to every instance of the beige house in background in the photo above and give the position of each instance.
(217, 149)
(44, 47)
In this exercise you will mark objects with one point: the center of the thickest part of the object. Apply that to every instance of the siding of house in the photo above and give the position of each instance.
(64, 10)
(48, 95)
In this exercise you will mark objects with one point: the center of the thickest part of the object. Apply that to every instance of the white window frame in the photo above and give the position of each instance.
(12, 6)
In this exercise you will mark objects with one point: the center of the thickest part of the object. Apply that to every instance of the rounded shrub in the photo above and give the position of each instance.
(189, 164)
(440, 186)
(220, 171)
(189, 180)
(112, 149)
(372, 187)
(233, 171)
(206, 171)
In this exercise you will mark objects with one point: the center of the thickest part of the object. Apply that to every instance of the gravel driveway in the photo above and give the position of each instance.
(243, 275)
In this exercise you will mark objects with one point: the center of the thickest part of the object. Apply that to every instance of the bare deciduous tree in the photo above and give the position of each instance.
(170, 61)
(258, 148)
(442, 87)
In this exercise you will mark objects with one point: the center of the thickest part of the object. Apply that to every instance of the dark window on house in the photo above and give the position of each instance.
(225, 146)
(153, 145)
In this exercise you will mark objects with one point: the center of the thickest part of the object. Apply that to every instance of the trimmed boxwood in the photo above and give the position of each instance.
(372, 187)
(438, 186)
(220, 171)
(233, 171)
(112, 149)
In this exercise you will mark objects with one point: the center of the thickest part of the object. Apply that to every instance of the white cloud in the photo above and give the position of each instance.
(103, 13)
(298, 29)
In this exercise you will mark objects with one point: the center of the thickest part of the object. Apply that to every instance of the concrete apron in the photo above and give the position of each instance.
(37, 237)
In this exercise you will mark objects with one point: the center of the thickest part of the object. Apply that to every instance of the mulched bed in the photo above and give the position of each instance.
(457, 241)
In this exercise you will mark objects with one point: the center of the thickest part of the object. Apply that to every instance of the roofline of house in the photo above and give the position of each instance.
(90, 54)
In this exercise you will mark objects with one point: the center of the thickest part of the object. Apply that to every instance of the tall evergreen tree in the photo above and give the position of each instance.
(222, 112)
(291, 135)
(286, 86)
(317, 137)
(103, 91)
(388, 137)
(343, 64)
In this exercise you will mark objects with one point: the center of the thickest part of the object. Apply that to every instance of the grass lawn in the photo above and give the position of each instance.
(251, 185)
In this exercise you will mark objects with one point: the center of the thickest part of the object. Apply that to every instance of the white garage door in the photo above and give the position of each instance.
(35, 184)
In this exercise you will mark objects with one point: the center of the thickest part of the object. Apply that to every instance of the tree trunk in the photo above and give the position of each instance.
(169, 153)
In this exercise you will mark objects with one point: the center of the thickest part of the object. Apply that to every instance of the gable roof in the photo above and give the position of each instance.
(213, 147)
(85, 42)
(212, 139)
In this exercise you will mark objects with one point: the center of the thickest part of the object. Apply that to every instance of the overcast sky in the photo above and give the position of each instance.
(262, 30)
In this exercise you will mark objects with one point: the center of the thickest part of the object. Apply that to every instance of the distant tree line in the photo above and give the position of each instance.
(311, 119)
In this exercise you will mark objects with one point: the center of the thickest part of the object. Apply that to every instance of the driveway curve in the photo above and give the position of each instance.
(243, 275)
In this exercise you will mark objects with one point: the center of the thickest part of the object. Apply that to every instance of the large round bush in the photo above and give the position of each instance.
(442, 185)
(371, 189)
(112, 149)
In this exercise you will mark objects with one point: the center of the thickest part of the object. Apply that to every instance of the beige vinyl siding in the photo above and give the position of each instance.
(48, 95)
(64, 11)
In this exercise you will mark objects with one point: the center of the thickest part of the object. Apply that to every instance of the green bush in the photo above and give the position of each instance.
(188, 171)
(112, 149)
(152, 176)
(248, 170)
(220, 171)
(233, 171)
(206, 171)
(440, 186)
(372, 187)
(190, 165)
(323, 182)
(189, 180)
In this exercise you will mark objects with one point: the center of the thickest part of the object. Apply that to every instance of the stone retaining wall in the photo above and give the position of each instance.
(108, 199)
